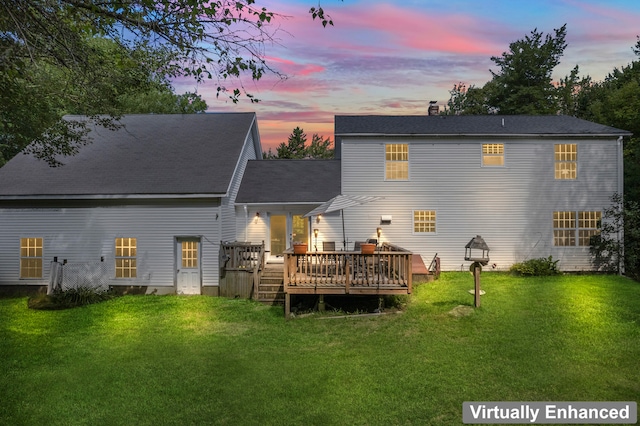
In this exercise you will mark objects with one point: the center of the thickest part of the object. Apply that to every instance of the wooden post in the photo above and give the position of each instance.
(287, 306)
(476, 278)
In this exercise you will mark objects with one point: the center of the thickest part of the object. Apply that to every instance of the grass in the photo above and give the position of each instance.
(164, 360)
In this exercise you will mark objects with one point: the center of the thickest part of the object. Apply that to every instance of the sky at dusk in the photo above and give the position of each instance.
(393, 57)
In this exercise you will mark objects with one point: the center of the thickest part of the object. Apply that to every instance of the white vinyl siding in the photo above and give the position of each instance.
(86, 232)
(511, 207)
(228, 226)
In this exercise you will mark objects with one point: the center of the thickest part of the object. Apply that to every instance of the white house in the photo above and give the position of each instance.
(531, 186)
(150, 204)
(275, 195)
(147, 205)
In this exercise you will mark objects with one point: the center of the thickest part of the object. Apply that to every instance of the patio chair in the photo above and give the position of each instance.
(331, 259)
(328, 246)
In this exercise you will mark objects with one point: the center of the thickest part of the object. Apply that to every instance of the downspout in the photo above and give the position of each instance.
(620, 161)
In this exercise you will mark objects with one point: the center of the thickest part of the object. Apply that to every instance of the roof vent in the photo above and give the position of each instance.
(434, 108)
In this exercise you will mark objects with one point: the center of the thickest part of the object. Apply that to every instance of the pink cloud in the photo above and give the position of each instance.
(292, 68)
(381, 28)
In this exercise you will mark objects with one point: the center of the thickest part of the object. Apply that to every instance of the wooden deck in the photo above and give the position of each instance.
(388, 271)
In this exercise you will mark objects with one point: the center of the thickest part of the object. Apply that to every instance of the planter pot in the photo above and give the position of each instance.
(299, 248)
(367, 248)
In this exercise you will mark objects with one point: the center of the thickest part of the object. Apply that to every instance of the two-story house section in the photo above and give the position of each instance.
(531, 186)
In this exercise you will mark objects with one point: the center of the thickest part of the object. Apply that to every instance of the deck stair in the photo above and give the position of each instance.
(420, 271)
(271, 289)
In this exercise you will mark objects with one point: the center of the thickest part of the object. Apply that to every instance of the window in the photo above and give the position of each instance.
(397, 161)
(566, 161)
(189, 254)
(30, 257)
(126, 250)
(588, 226)
(566, 227)
(424, 221)
(493, 154)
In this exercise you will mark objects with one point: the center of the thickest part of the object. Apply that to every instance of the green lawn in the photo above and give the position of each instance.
(165, 360)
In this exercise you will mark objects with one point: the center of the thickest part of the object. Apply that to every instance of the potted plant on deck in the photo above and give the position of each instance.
(299, 248)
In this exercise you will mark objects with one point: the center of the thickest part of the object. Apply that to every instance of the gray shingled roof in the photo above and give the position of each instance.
(151, 155)
(471, 125)
(290, 181)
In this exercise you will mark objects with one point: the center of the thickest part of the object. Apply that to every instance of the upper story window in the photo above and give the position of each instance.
(424, 221)
(397, 161)
(566, 161)
(492, 154)
(30, 257)
(126, 252)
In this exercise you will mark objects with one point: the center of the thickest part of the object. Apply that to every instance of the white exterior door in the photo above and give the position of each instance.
(188, 265)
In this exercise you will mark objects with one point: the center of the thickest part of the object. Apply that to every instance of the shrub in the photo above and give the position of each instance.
(542, 266)
(79, 296)
(609, 252)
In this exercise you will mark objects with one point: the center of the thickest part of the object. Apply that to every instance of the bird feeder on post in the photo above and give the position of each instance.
(476, 251)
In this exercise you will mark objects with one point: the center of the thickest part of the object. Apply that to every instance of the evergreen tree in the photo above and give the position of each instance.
(523, 84)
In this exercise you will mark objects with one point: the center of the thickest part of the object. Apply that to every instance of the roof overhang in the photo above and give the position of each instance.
(484, 135)
(106, 196)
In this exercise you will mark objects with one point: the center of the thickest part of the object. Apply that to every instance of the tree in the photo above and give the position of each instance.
(320, 148)
(35, 96)
(86, 56)
(463, 100)
(296, 148)
(523, 84)
(615, 101)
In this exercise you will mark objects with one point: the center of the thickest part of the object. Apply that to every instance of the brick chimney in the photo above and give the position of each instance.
(434, 109)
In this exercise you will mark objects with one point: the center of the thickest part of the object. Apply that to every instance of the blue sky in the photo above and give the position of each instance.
(393, 57)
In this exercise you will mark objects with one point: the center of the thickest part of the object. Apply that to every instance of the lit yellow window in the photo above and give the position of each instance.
(588, 226)
(189, 254)
(564, 229)
(492, 154)
(566, 161)
(126, 252)
(424, 221)
(30, 257)
(397, 161)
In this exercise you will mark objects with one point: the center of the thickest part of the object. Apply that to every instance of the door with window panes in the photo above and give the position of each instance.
(188, 269)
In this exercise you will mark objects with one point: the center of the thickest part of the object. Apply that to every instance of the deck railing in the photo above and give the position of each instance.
(388, 270)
